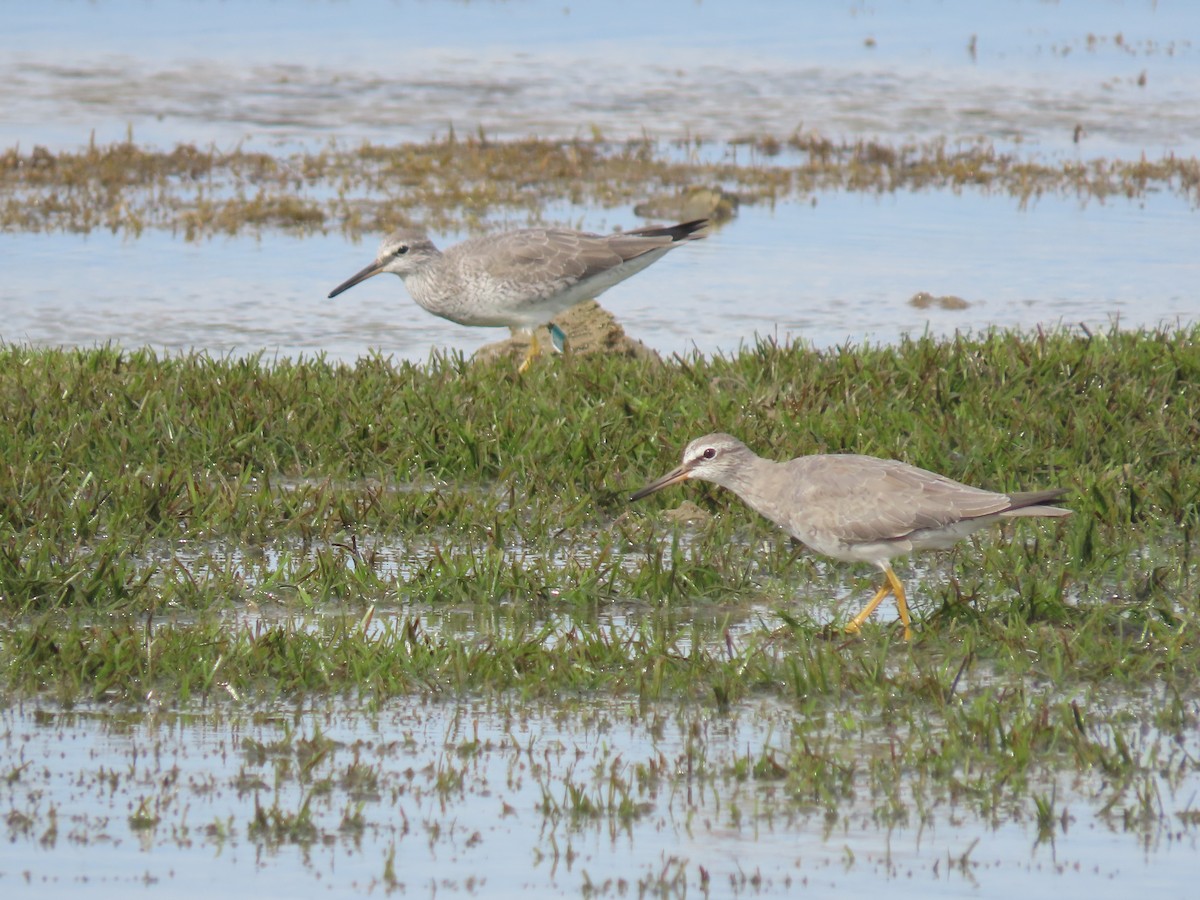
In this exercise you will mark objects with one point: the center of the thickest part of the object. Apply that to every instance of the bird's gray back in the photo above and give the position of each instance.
(848, 499)
(504, 278)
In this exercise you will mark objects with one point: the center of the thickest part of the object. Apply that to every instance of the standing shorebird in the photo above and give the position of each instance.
(855, 508)
(521, 279)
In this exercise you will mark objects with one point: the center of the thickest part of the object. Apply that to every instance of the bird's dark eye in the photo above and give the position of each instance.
(401, 250)
(710, 452)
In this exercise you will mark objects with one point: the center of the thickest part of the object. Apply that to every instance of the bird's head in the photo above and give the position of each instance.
(402, 253)
(715, 457)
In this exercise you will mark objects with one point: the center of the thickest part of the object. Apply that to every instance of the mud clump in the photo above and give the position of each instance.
(712, 203)
(589, 328)
(925, 300)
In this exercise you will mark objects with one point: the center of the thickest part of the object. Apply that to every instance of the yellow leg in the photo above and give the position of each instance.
(856, 623)
(901, 602)
(891, 586)
(532, 354)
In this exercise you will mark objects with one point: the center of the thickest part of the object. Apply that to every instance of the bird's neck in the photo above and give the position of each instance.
(432, 283)
(748, 482)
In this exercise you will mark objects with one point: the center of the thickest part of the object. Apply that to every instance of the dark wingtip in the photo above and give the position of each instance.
(684, 231)
(688, 229)
(1022, 499)
(1035, 503)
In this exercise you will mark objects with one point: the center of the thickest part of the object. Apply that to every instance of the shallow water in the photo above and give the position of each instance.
(390, 71)
(827, 269)
(472, 798)
(844, 269)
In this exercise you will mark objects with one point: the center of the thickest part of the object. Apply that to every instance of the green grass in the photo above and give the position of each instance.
(144, 499)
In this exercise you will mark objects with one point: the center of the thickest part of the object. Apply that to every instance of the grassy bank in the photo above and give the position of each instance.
(136, 489)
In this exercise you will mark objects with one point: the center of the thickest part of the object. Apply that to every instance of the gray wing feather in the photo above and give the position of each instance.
(554, 256)
(862, 499)
(544, 261)
(631, 246)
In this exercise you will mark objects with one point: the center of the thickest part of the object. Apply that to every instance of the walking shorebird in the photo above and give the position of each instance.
(520, 279)
(855, 508)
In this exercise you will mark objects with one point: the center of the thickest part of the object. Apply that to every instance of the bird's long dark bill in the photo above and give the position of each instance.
(373, 269)
(680, 474)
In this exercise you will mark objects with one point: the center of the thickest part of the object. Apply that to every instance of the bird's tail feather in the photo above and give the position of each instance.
(1032, 503)
(684, 231)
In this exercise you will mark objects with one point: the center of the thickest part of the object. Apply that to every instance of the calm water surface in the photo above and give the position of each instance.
(390, 70)
(842, 270)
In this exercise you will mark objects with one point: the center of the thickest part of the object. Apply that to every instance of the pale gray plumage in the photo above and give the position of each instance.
(854, 508)
(520, 279)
